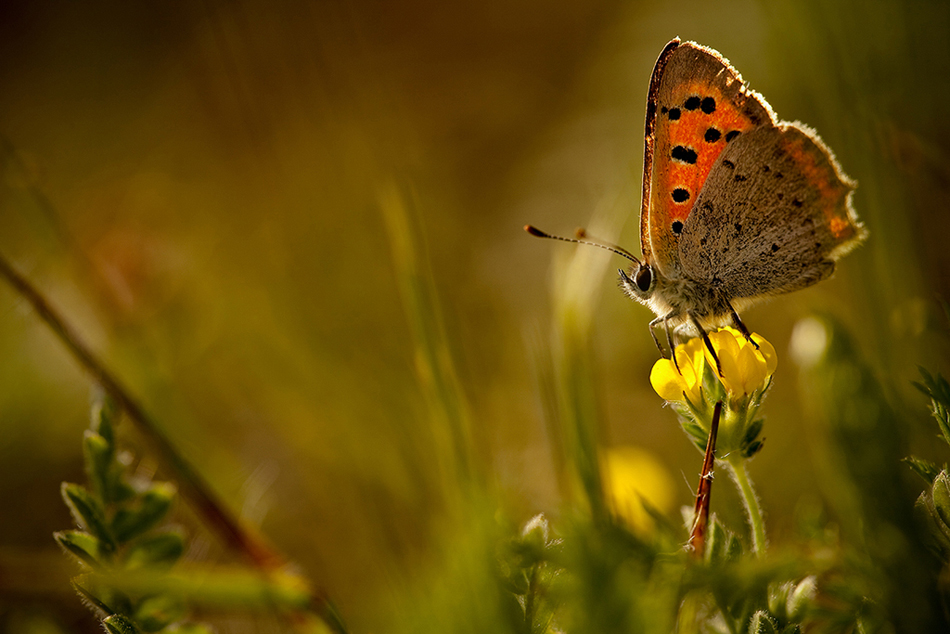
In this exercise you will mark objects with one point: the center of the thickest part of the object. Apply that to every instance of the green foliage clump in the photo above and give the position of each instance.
(121, 532)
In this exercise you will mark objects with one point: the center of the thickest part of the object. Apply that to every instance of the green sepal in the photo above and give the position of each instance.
(155, 551)
(83, 546)
(118, 624)
(752, 431)
(88, 513)
(142, 515)
(155, 612)
(924, 468)
(762, 623)
(98, 455)
(753, 448)
(696, 433)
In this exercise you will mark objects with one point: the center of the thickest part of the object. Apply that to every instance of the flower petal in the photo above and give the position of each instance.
(667, 382)
(767, 350)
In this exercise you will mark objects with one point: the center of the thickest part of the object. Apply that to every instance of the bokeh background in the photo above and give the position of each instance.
(199, 187)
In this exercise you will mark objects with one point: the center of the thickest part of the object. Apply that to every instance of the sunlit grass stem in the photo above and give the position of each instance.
(740, 475)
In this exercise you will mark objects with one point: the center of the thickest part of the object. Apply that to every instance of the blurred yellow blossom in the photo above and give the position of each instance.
(632, 476)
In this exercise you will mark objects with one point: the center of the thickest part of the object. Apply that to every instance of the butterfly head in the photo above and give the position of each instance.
(640, 283)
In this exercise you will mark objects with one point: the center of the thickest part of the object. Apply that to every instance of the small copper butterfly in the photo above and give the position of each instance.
(737, 205)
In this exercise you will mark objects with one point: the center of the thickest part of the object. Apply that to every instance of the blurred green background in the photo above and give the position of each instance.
(198, 186)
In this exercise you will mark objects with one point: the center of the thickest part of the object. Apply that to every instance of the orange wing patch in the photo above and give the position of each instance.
(696, 131)
(820, 169)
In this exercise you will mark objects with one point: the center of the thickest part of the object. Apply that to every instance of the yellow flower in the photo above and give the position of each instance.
(745, 368)
(632, 476)
(674, 384)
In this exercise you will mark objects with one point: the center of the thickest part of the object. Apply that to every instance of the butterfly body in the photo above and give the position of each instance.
(737, 205)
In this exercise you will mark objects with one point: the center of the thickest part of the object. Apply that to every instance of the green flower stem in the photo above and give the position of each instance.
(737, 467)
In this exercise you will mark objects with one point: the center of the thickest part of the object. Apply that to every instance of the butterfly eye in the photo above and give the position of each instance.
(644, 278)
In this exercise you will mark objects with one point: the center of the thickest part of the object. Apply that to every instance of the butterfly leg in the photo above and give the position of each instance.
(741, 327)
(669, 337)
(707, 342)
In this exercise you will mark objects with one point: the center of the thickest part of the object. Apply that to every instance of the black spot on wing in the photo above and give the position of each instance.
(684, 154)
(692, 103)
(712, 135)
(731, 135)
(708, 105)
(680, 195)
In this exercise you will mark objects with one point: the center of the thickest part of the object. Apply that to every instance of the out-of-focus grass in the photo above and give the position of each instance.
(198, 186)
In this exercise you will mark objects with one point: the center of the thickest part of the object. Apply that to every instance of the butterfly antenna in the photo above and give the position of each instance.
(581, 233)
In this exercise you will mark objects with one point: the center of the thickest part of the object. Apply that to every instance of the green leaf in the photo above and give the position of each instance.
(135, 519)
(924, 468)
(103, 414)
(82, 546)
(156, 612)
(722, 545)
(937, 388)
(941, 497)
(88, 513)
(157, 551)
(937, 538)
(98, 454)
(762, 623)
(118, 624)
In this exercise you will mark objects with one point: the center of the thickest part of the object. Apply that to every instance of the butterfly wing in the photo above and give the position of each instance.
(772, 217)
(696, 107)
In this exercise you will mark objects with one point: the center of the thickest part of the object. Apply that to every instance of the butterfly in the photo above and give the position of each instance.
(737, 205)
